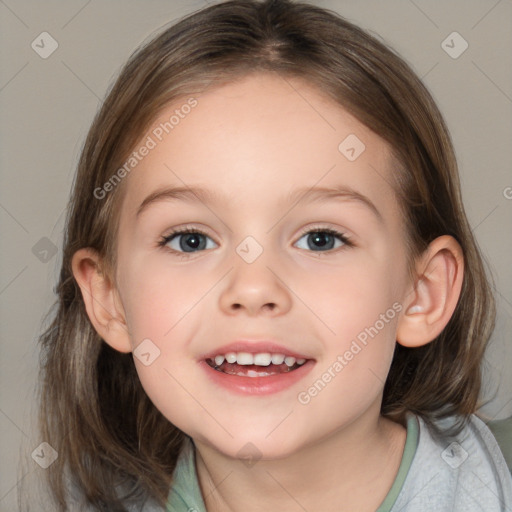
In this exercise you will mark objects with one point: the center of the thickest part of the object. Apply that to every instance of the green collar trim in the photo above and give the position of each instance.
(411, 443)
(186, 495)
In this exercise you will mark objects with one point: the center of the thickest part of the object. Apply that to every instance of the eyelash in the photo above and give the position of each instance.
(342, 237)
(181, 231)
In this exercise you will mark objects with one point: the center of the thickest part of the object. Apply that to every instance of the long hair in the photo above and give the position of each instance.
(114, 446)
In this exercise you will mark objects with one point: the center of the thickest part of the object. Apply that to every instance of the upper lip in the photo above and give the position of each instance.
(254, 347)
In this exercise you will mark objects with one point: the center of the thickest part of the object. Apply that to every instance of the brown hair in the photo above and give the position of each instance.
(113, 444)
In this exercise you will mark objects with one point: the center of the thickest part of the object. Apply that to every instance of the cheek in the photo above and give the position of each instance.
(163, 305)
(351, 296)
(358, 306)
(158, 297)
(159, 305)
(353, 369)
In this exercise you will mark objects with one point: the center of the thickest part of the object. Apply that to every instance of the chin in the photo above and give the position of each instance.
(257, 445)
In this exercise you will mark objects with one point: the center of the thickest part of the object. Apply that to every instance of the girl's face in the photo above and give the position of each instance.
(279, 167)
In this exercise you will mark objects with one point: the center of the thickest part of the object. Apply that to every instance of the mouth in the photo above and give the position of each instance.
(263, 364)
(257, 369)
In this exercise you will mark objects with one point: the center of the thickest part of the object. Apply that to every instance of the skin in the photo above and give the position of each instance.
(252, 142)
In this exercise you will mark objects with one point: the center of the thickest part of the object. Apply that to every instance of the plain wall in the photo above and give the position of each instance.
(48, 104)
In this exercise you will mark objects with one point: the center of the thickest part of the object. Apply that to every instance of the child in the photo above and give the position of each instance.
(270, 296)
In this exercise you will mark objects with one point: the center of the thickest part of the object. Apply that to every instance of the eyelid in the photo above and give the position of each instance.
(326, 226)
(188, 229)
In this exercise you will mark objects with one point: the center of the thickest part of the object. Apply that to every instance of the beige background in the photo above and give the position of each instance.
(48, 104)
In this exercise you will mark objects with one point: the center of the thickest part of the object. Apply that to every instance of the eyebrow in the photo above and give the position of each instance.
(312, 194)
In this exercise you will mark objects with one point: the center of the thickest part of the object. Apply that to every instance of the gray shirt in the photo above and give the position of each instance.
(465, 473)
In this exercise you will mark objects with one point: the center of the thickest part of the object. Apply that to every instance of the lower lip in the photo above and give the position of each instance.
(257, 385)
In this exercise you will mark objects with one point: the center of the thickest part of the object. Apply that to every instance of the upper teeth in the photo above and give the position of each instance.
(260, 359)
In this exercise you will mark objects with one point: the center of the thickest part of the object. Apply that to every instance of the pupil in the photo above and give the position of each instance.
(321, 239)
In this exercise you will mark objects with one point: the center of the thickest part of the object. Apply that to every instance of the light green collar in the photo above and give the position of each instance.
(411, 443)
(185, 494)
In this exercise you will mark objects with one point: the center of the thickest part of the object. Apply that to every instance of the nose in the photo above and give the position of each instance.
(255, 289)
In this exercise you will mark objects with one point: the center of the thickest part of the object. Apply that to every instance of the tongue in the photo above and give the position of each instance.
(243, 369)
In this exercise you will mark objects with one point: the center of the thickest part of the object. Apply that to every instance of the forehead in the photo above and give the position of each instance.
(256, 138)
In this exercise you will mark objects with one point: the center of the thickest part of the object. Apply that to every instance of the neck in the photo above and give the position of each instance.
(351, 469)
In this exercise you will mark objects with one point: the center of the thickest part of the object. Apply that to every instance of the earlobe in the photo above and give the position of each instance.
(102, 305)
(434, 295)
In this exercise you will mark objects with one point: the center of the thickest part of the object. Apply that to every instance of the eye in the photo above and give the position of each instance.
(323, 239)
(186, 240)
(189, 240)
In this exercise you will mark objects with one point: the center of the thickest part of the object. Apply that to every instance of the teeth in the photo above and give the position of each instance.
(253, 373)
(277, 358)
(260, 359)
(290, 361)
(244, 358)
(231, 357)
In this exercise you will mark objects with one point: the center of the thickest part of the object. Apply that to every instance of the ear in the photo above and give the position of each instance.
(101, 300)
(435, 293)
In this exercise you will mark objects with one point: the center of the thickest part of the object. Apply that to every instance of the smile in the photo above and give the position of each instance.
(255, 379)
(261, 364)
